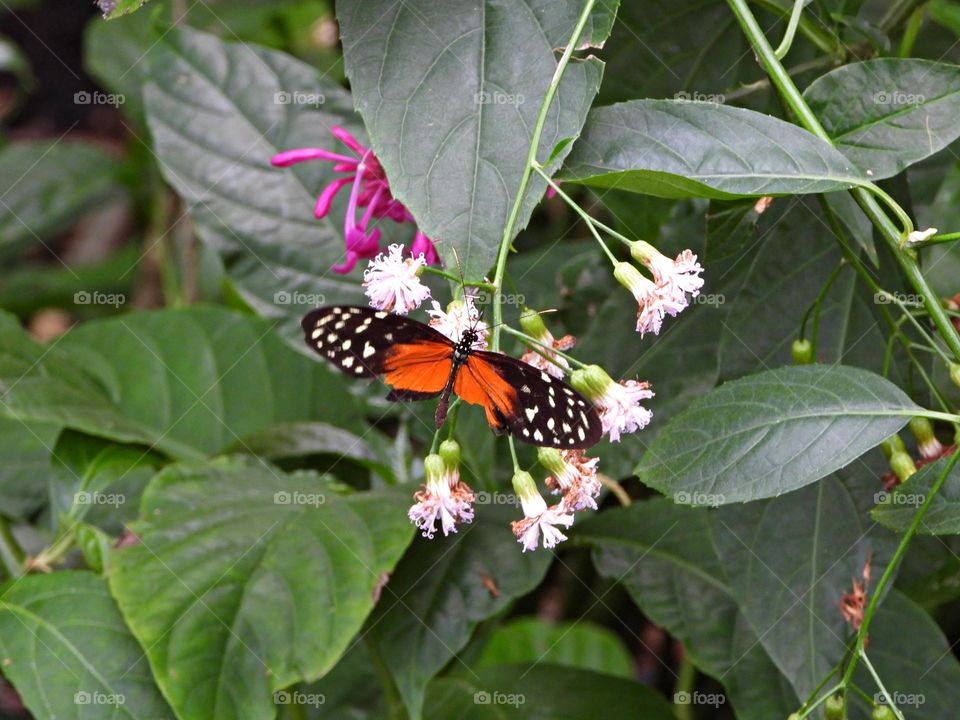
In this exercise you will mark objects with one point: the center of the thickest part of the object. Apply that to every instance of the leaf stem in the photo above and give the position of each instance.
(879, 682)
(508, 229)
(784, 47)
(544, 349)
(935, 240)
(686, 682)
(11, 554)
(453, 278)
(891, 569)
(864, 195)
(825, 40)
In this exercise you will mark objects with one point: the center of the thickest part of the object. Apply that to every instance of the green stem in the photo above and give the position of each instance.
(513, 453)
(509, 227)
(825, 40)
(911, 31)
(533, 341)
(459, 280)
(892, 566)
(819, 701)
(934, 240)
(815, 307)
(11, 554)
(879, 682)
(585, 216)
(897, 12)
(864, 196)
(686, 682)
(784, 47)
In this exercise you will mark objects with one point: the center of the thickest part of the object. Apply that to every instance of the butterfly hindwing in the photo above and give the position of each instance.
(535, 407)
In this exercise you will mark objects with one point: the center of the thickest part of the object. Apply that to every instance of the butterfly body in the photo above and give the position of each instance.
(419, 363)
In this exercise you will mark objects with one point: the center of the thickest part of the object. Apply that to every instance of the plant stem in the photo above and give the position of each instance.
(543, 349)
(863, 195)
(616, 488)
(509, 227)
(892, 566)
(686, 682)
(879, 682)
(784, 47)
(911, 31)
(825, 40)
(935, 240)
(11, 554)
(822, 699)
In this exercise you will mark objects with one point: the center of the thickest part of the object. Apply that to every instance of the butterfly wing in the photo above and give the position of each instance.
(533, 406)
(364, 343)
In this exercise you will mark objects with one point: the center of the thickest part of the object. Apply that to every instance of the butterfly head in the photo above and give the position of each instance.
(467, 342)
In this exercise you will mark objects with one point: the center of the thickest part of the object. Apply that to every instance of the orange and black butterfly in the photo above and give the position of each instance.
(419, 362)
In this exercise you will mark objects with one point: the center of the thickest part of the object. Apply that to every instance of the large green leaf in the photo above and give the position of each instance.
(200, 379)
(888, 113)
(543, 692)
(68, 653)
(257, 580)
(897, 509)
(25, 448)
(676, 148)
(773, 432)
(218, 112)
(663, 555)
(579, 644)
(48, 184)
(438, 595)
(450, 120)
(789, 589)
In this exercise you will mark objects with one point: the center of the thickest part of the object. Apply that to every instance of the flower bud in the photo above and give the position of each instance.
(551, 460)
(591, 382)
(802, 352)
(955, 374)
(902, 465)
(632, 279)
(532, 324)
(891, 445)
(882, 712)
(644, 252)
(922, 429)
(450, 454)
(833, 708)
(433, 467)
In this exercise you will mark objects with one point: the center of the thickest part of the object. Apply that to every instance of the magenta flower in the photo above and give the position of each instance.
(369, 190)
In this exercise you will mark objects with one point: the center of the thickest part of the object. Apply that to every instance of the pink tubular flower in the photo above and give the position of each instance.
(369, 189)
(655, 301)
(618, 403)
(675, 278)
(538, 518)
(444, 496)
(574, 475)
(391, 281)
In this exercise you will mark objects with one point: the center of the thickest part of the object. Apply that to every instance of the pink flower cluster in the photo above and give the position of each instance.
(369, 192)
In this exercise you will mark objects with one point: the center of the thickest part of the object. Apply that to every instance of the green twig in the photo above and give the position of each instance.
(784, 47)
(511, 224)
(876, 678)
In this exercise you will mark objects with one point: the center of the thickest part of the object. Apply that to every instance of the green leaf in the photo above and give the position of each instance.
(13, 61)
(257, 580)
(197, 380)
(543, 692)
(116, 8)
(773, 432)
(789, 589)
(896, 510)
(47, 185)
(68, 653)
(731, 226)
(450, 121)
(945, 13)
(677, 149)
(887, 113)
(438, 595)
(25, 448)
(577, 644)
(218, 112)
(663, 555)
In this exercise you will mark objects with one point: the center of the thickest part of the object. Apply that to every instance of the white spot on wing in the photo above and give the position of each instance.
(538, 436)
(380, 315)
(368, 350)
(531, 413)
(581, 434)
(348, 361)
(346, 344)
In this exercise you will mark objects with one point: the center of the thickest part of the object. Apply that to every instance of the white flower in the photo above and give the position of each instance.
(538, 518)
(620, 409)
(444, 496)
(391, 281)
(573, 474)
(677, 277)
(556, 365)
(654, 301)
(460, 315)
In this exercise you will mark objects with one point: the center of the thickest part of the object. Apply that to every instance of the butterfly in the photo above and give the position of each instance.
(419, 363)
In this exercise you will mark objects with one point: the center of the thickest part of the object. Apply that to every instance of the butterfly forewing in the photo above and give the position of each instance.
(361, 341)
(541, 410)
